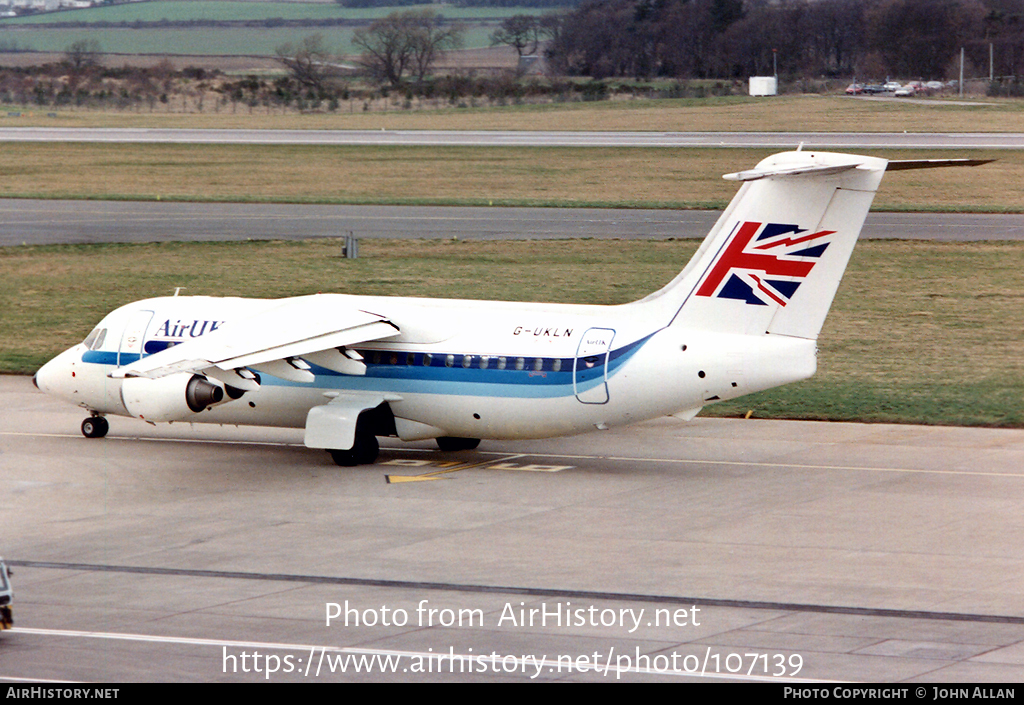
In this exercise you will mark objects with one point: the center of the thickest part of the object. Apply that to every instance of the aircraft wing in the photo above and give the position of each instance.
(277, 341)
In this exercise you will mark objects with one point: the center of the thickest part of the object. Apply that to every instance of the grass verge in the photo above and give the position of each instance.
(920, 332)
(547, 176)
(788, 113)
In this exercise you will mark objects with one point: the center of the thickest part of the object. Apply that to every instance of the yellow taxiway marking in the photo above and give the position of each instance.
(444, 468)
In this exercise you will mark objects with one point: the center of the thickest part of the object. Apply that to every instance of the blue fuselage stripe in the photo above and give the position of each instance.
(437, 377)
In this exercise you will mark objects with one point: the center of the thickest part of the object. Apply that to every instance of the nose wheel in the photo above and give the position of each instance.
(95, 427)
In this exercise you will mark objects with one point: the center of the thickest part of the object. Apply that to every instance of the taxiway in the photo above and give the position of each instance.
(856, 552)
(43, 222)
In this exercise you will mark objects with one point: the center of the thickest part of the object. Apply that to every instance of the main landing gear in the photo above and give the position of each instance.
(95, 427)
(449, 443)
(366, 449)
(363, 452)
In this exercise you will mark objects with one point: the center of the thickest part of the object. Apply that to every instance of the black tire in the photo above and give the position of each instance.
(364, 452)
(95, 427)
(451, 443)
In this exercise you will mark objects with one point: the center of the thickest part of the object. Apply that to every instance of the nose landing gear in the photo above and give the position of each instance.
(95, 427)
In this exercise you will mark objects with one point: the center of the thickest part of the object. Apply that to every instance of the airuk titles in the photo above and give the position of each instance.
(183, 329)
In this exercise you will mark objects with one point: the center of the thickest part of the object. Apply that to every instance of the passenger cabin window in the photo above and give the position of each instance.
(556, 364)
(484, 362)
(427, 358)
(538, 364)
(467, 361)
(520, 363)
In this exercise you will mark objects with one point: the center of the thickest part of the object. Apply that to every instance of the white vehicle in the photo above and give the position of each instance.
(6, 597)
(741, 317)
(891, 86)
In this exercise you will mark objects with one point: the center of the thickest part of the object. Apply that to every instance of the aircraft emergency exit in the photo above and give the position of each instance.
(742, 316)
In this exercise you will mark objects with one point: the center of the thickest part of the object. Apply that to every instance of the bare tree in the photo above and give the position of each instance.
(82, 54)
(308, 63)
(430, 40)
(409, 41)
(521, 32)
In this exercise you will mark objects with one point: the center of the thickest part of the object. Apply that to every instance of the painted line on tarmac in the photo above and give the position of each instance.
(801, 466)
(436, 661)
(529, 591)
(616, 458)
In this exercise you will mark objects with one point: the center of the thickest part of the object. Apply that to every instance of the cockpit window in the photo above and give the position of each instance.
(95, 339)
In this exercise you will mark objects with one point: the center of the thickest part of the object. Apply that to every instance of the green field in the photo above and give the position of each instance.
(30, 33)
(192, 41)
(920, 332)
(224, 11)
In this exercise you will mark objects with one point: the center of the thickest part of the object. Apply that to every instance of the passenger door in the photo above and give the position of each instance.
(132, 338)
(590, 367)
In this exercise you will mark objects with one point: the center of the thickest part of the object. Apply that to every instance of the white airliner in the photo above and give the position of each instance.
(741, 317)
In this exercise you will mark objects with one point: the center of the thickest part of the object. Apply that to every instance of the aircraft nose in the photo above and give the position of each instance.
(55, 377)
(44, 375)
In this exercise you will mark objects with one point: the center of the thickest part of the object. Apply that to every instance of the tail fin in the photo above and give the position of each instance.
(773, 261)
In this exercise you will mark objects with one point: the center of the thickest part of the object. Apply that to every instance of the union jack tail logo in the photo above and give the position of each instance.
(764, 263)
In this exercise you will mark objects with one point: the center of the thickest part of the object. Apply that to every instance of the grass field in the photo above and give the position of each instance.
(920, 332)
(209, 41)
(33, 33)
(223, 11)
(790, 113)
(653, 177)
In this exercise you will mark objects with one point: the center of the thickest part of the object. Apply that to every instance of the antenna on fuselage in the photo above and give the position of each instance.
(179, 288)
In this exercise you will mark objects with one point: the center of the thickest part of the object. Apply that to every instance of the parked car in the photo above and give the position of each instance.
(873, 88)
(904, 91)
(935, 85)
(855, 89)
(891, 86)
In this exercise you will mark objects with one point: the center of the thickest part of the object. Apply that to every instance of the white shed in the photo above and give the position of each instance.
(764, 85)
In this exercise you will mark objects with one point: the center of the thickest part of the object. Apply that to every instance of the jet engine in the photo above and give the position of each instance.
(172, 398)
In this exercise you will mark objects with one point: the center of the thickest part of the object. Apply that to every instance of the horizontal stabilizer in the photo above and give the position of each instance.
(815, 169)
(901, 164)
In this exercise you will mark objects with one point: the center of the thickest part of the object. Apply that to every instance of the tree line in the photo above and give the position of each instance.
(727, 39)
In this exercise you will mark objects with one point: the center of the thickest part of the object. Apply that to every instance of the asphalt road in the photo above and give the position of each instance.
(522, 138)
(53, 222)
(756, 549)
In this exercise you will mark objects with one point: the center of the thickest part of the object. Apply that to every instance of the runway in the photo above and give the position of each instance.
(521, 138)
(42, 222)
(756, 550)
